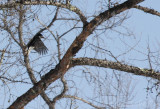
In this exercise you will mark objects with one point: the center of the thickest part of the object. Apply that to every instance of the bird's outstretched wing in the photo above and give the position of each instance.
(40, 47)
(37, 45)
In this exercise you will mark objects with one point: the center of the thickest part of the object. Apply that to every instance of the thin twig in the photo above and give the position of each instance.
(2, 57)
(85, 101)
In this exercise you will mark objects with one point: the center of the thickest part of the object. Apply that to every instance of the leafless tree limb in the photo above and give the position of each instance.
(51, 23)
(117, 66)
(147, 10)
(12, 80)
(65, 87)
(58, 4)
(85, 101)
(2, 57)
(34, 81)
(5, 27)
(21, 14)
(62, 93)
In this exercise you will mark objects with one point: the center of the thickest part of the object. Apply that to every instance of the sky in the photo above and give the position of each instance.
(145, 29)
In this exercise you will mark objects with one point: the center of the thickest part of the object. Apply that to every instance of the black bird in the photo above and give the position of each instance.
(37, 44)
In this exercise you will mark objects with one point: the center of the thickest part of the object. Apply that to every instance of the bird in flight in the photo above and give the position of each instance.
(37, 44)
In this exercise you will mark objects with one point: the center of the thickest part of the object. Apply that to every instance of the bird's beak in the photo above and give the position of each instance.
(41, 36)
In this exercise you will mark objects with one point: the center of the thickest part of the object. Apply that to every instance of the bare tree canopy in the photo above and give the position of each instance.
(89, 54)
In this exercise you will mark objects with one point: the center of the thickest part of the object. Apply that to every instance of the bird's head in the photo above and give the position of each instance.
(39, 35)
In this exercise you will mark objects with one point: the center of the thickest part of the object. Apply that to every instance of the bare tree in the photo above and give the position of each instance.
(79, 71)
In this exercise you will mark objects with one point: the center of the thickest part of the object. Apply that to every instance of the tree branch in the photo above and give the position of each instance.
(117, 66)
(85, 101)
(58, 4)
(20, 28)
(2, 56)
(147, 10)
(65, 87)
(7, 28)
(33, 79)
(50, 24)
(62, 93)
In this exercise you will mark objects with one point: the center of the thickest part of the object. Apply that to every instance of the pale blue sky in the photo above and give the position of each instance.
(145, 29)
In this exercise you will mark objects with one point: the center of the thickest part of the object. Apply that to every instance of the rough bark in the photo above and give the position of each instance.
(147, 10)
(117, 66)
